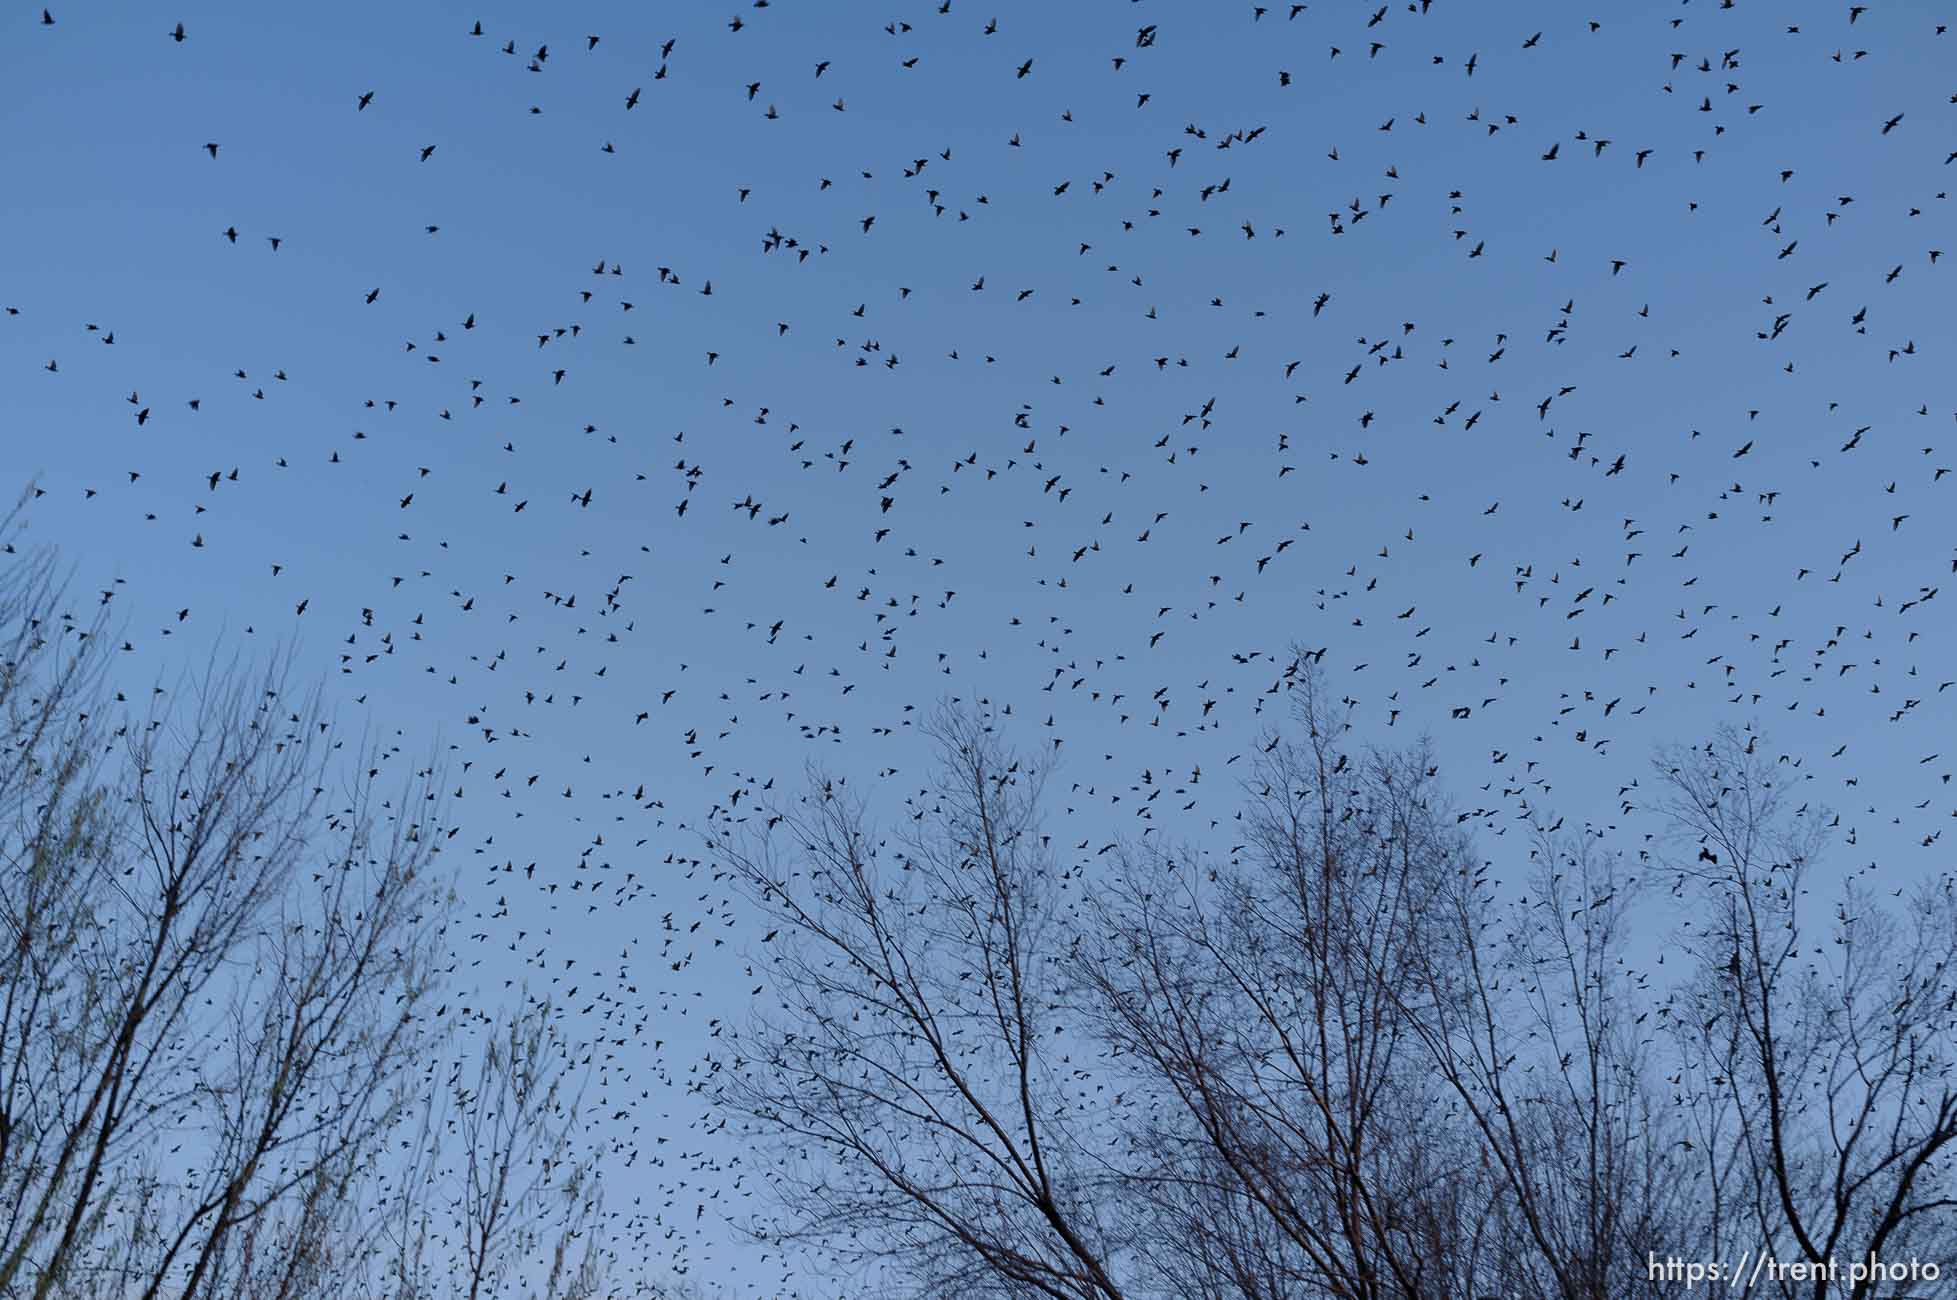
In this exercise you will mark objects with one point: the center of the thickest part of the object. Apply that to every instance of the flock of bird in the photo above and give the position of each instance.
(649, 411)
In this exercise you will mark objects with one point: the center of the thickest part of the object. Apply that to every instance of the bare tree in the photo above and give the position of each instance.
(171, 975)
(498, 1181)
(1543, 1037)
(917, 1076)
(1822, 1072)
(1341, 1061)
(1263, 1002)
(1356, 1080)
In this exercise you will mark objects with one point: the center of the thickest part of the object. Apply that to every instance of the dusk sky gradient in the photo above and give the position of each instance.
(1743, 483)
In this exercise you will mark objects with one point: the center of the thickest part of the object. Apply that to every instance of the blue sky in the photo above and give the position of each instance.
(116, 216)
